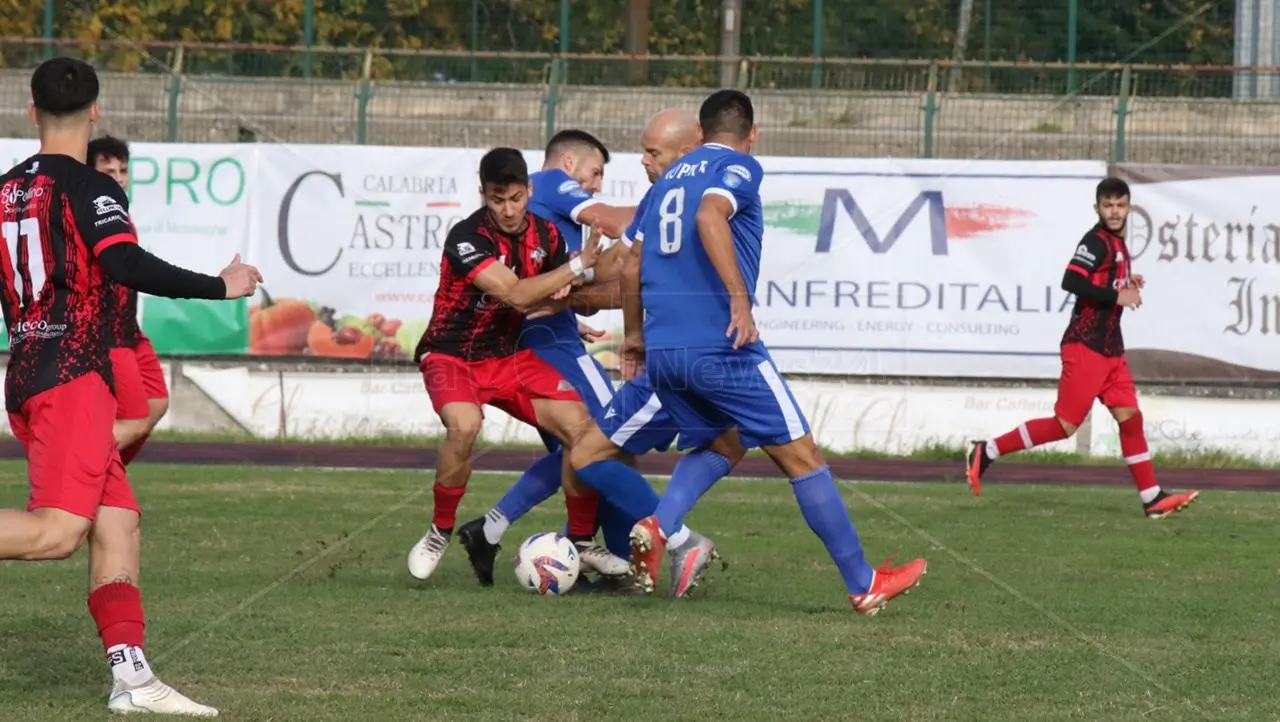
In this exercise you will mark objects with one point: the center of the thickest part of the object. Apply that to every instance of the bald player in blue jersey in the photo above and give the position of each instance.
(703, 238)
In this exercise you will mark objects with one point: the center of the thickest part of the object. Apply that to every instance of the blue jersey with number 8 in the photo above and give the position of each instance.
(686, 305)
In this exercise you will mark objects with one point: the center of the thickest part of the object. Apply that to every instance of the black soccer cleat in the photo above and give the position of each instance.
(480, 552)
(976, 465)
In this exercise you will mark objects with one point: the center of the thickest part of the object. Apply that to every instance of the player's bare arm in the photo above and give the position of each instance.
(632, 315)
(612, 221)
(717, 239)
(524, 294)
(609, 267)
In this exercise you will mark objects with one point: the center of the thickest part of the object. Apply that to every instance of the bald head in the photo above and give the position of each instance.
(669, 135)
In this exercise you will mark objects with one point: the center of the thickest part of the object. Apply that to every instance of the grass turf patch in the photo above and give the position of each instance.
(337, 630)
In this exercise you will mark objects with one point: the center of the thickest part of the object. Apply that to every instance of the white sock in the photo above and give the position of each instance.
(677, 540)
(993, 453)
(1149, 494)
(495, 523)
(129, 666)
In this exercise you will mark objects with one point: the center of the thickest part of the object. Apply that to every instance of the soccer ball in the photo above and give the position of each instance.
(547, 563)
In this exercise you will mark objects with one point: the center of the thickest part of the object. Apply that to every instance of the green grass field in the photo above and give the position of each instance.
(282, 595)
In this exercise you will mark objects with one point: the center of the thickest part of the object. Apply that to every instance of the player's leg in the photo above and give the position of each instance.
(457, 400)
(157, 395)
(115, 603)
(767, 415)
(1084, 373)
(694, 475)
(131, 398)
(1120, 396)
(66, 478)
(544, 478)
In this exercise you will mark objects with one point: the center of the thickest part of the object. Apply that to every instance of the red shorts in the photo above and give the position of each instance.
(1088, 375)
(511, 383)
(138, 377)
(72, 459)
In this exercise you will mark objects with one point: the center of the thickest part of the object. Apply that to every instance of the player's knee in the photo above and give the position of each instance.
(729, 445)
(1068, 428)
(58, 539)
(590, 447)
(462, 426)
(799, 457)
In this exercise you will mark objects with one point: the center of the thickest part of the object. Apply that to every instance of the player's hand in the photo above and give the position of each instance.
(742, 326)
(1138, 280)
(546, 309)
(589, 334)
(562, 293)
(591, 248)
(241, 279)
(1129, 298)
(632, 355)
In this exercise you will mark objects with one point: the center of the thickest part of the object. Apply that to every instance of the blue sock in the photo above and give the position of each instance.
(621, 486)
(694, 474)
(824, 509)
(616, 528)
(537, 484)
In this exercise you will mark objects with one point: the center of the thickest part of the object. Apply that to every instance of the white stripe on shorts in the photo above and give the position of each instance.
(795, 427)
(637, 421)
(599, 384)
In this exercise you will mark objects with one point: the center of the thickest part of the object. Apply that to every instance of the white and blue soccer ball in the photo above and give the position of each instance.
(547, 564)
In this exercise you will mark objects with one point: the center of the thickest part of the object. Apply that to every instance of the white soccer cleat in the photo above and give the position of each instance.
(155, 697)
(602, 561)
(427, 553)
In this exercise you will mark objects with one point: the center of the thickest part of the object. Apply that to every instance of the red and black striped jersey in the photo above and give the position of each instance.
(1103, 258)
(59, 307)
(125, 329)
(468, 323)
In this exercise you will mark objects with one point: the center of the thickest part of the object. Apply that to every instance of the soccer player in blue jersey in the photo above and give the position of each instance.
(703, 233)
(564, 193)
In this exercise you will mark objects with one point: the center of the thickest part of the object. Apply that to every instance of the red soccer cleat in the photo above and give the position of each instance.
(888, 583)
(976, 465)
(647, 552)
(1166, 504)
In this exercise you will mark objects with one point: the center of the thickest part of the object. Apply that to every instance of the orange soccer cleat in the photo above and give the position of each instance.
(889, 582)
(647, 547)
(1166, 504)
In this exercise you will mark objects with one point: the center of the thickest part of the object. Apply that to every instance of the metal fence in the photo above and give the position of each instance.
(867, 107)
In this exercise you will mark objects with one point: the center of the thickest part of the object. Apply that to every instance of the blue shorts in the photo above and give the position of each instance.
(585, 374)
(708, 391)
(636, 420)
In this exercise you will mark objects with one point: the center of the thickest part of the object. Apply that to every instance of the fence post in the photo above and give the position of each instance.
(1073, 15)
(818, 29)
(553, 97)
(1122, 114)
(48, 29)
(174, 91)
(930, 109)
(564, 38)
(364, 93)
(308, 35)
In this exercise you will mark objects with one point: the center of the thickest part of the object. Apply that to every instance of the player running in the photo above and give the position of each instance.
(669, 135)
(702, 235)
(141, 395)
(1093, 362)
(67, 239)
(498, 263)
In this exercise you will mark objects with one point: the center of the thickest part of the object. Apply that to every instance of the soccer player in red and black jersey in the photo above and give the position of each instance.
(499, 264)
(141, 395)
(1093, 363)
(67, 239)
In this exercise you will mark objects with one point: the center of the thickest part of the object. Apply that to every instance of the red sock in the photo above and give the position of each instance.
(446, 509)
(582, 514)
(1035, 432)
(130, 451)
(1133, 444)
(117, 609)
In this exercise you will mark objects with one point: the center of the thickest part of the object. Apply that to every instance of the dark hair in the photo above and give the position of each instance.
(503, 167)
(108, 147)
(64, 86)
(566, 139)
(1112, 188)
(727, 111)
